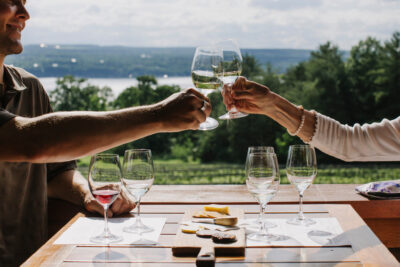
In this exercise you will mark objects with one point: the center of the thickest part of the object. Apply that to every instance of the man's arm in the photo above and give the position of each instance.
(62, 136)
(73, 187)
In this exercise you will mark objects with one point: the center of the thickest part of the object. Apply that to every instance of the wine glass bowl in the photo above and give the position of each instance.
(105, 185)
(258, 149)
(138, 177)
(205, 71)
(301, 169)
(231, 70)
(262, 181)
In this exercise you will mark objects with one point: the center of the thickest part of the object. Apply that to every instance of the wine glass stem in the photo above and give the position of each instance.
(260, 215)
(138, 220)
(263, 230)
(301, 215)
(106, 230)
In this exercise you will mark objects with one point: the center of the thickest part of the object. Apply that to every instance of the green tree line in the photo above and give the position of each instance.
(361, 87)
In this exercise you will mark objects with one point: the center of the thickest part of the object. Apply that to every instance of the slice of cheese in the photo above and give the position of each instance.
(218, 208)
(207, 214)
(191, 229)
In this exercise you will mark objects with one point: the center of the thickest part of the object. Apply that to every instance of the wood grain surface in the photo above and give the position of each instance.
(365, 250)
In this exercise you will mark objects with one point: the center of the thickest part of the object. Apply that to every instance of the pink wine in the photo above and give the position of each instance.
(105, 196)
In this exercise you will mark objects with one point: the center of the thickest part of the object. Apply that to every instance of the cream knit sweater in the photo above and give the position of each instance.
(367, 142)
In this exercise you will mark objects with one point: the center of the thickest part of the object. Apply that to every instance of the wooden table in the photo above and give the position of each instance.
(366, 248)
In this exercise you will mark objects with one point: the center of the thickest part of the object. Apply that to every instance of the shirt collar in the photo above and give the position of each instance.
(13, 80)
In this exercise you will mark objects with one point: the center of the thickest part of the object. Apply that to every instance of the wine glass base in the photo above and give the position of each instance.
(257, 223)
(138, 229)
(266, 237)
(232, 115)
(298, 221)
(105, 239)
(208, 124)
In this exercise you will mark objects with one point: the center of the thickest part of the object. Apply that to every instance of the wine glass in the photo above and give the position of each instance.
(262, 180)
(258, 149)
(231, 69)
(206, 67)
(301, 169)
(138, 177)
(105, 185)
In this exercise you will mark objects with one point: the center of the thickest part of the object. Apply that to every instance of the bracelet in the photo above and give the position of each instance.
(303, 118)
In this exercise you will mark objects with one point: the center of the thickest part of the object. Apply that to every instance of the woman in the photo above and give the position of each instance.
(369, 142)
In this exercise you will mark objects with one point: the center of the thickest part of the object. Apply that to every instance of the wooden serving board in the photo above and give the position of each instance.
(189, 245)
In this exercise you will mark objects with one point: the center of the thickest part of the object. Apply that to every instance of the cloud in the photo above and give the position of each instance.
(254, 23)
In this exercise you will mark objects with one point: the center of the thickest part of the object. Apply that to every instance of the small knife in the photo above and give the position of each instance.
(226, 221)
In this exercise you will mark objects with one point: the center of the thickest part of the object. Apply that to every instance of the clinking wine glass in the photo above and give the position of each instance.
(206, 66)
(301, 169)
(262, 180)
(231, 70)
(105, 185)
(258, 149)
(138, 177)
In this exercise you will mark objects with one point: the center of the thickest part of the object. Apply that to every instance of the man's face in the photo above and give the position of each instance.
(13, 16)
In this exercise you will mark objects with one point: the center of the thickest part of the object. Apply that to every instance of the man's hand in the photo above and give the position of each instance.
(183, 111)
(123, 204)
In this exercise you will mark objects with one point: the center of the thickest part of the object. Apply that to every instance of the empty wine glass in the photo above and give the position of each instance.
(206, 66)
(258, 149)
(105, 185)
(138, 177)
(232, 68)
(262, 180)
(301, 169)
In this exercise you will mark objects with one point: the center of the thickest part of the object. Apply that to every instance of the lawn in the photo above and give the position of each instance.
(178, 172)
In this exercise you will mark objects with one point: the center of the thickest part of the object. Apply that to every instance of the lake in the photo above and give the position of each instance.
(119, 84)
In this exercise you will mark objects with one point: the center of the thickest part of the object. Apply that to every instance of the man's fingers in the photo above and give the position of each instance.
(125, 207)
(95, 207)
(121, 206)
(198, 94)
(116, 206)
(206, 108)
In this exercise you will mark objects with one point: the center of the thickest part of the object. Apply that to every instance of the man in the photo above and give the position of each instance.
(35, 143)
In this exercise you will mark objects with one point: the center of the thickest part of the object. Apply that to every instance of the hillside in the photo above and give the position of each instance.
(118, 61)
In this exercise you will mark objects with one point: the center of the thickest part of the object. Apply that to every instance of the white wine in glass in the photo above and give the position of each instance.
(231, 70)
(262, 180)
(105, 185)
(206, 68)
(301, 169)
(138, 177)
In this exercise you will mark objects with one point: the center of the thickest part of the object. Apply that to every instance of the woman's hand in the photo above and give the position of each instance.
(249, 97)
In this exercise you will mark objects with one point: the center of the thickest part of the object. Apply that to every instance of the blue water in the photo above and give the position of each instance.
(119, 84)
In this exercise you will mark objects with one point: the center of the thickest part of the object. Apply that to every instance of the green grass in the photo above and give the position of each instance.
(178, 172)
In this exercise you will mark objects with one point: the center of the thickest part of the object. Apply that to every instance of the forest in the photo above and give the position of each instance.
(361, 87)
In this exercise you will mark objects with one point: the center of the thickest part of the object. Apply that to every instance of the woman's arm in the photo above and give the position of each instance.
(369, 142)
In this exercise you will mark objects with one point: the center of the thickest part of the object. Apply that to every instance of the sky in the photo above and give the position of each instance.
(300, 24)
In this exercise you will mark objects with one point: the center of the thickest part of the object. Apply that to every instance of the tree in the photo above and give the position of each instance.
(389, 95)
(365, 71)
(74, 94)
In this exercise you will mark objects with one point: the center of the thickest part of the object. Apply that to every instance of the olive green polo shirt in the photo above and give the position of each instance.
(23, 185)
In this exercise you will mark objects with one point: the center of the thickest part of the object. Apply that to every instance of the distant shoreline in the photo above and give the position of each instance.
(119, 84)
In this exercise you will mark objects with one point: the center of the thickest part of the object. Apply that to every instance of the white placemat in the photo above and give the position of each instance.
(84, 228)
(326, 232)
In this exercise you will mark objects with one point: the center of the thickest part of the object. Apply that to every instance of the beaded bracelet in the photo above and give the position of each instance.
(303, 118)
